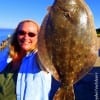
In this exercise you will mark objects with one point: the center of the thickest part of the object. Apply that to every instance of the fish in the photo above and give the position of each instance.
(67, 44)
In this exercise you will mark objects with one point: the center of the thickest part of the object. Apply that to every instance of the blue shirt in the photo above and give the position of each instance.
(33, 83)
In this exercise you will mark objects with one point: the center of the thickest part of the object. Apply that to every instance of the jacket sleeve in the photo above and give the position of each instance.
(54, 87)
(3, 58)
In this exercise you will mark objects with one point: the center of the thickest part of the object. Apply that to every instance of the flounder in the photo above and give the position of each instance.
(67, 44)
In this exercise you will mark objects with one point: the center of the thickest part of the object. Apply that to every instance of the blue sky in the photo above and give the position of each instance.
(13, 11)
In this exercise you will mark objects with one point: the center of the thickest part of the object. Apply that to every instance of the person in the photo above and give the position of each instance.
(21, 74)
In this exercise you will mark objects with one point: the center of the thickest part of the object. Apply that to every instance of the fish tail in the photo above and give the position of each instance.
(65, 94)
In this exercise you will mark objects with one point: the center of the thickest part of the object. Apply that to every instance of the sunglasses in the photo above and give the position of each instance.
(30, 34)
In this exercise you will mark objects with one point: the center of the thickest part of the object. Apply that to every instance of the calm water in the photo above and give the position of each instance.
(4, 33)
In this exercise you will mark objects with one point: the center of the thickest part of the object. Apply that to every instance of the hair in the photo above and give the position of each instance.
(14, 45)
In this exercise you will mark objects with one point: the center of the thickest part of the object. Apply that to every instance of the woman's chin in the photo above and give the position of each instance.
(26, 49)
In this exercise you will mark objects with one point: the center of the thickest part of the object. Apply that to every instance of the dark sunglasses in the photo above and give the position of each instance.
(30, 34)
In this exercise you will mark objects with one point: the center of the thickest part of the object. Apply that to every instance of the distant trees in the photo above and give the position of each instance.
(98, 32)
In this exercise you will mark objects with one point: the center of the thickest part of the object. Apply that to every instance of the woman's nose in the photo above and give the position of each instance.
(26, 36)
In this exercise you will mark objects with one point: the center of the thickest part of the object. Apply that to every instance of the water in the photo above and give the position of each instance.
(4, 33)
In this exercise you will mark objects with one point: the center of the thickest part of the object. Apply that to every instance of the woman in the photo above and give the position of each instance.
(27, 76)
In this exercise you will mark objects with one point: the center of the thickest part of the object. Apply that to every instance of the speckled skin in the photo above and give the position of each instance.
(67, 44)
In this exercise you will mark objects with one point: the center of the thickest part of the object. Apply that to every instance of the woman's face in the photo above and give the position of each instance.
(27, 36)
